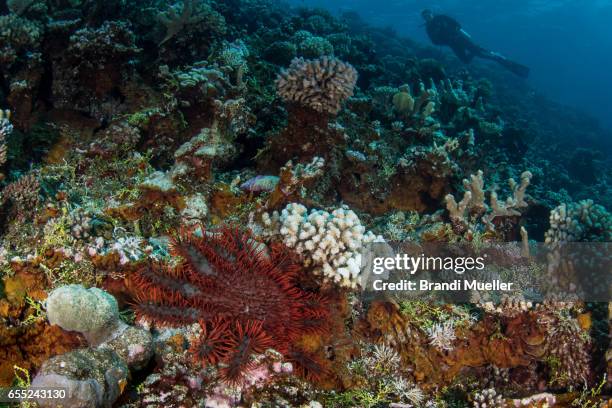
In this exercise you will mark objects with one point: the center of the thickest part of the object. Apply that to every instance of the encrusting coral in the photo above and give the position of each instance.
(95, 314)
(90, 378)
(97, 375)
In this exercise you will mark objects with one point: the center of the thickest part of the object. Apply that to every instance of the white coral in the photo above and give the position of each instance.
(407, 391)
(442, 335)
(330, 242)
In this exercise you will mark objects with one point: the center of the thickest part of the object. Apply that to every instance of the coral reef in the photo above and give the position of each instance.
(190, 189)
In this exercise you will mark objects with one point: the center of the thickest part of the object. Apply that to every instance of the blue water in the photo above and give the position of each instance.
(566, 43)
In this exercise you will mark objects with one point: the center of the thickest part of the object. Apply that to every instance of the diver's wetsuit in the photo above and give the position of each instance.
(444, 30)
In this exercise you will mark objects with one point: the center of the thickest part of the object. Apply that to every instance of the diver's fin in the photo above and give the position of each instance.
(514, 67)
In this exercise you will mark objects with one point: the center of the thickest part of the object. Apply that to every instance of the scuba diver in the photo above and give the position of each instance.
(444, 30)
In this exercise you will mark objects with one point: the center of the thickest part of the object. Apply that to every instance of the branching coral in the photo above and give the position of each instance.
(408, 107)
(583, 221)
(23, 196)
(329, 242)
(321, 84)
(473, 207)
(244, 298)
(442, 335)
(233, 58)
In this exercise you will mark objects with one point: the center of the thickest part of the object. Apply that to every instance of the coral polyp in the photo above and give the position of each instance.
(244, 296)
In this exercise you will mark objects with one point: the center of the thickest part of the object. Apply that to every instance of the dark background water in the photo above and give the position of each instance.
(566, 43)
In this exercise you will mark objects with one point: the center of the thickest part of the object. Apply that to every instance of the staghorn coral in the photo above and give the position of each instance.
(321, 84)
(243, 296)
(329, 242)
(473, 207)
